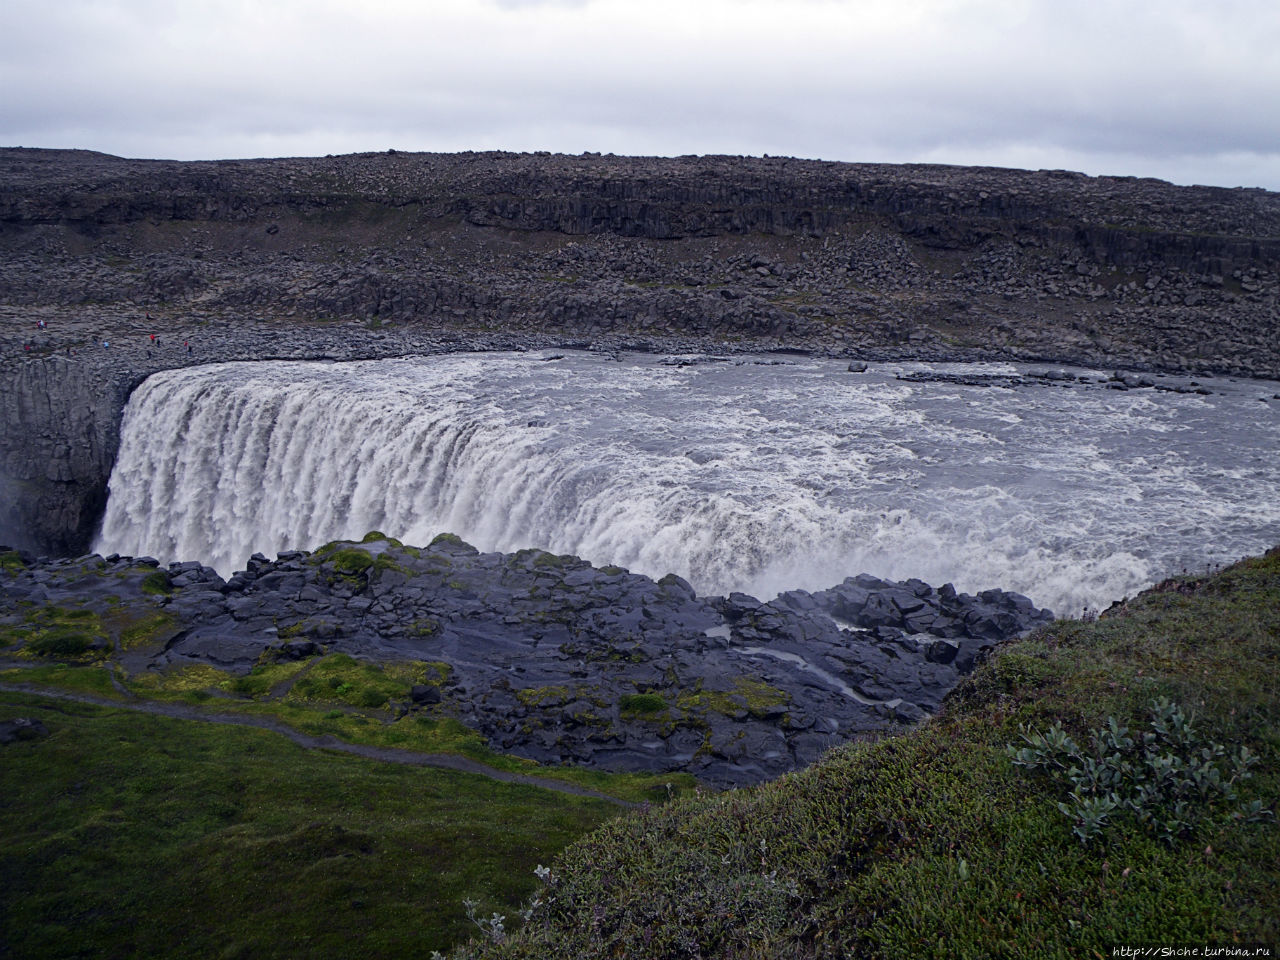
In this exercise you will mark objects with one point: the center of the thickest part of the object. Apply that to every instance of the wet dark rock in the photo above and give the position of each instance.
(735, 690)
(423, 694)
(21, 728)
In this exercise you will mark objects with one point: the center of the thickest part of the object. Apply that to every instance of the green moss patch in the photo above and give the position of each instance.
(350, 560)
(192, 682)
(58, 633)
(755, 697)
(343, 679)
(642, 704)
(552, 696)
(264, 677)
(90, 678)
(150, 628)
(157, 582)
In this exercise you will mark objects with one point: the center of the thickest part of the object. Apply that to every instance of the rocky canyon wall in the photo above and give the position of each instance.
(379, 254)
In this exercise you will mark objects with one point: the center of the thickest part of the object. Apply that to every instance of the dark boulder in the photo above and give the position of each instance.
(22, 728)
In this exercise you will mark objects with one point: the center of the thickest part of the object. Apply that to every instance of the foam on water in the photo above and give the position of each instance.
(736, 476)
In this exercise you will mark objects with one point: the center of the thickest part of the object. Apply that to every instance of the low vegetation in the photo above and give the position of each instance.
(1095, 784)
(127, 835)
(1167, 778)
(939, 844)
(157, 583)
(59, 633)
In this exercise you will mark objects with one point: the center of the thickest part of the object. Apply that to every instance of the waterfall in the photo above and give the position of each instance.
(735, 477)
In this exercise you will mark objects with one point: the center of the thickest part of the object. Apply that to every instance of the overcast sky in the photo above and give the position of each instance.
(1185, 90)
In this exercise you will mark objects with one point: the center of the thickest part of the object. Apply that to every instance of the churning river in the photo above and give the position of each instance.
(753, 474)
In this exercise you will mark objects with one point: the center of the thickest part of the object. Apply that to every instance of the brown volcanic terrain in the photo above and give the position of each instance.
(378, 254)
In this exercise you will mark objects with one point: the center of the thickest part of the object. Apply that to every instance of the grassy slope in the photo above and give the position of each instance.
(933, 844)
(127, 835)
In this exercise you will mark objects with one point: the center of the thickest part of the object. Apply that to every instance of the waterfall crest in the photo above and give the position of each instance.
(754, 478)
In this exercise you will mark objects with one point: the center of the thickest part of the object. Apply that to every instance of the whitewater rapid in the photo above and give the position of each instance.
(752, 475)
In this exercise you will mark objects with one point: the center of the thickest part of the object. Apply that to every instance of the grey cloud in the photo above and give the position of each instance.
(1169, 89)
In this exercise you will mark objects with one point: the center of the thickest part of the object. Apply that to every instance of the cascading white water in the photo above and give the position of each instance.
(736, 476)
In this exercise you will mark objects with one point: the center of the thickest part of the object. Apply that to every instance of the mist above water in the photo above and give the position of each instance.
(742, 475)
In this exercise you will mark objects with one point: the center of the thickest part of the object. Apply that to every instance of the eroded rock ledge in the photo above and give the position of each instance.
(548, 656)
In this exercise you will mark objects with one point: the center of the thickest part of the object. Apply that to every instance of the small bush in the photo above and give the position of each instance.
(1168, 778)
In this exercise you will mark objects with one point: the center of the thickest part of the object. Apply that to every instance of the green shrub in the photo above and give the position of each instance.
(1168, 778)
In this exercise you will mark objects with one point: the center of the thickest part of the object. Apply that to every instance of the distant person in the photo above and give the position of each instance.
(106, 344)
(187, 344)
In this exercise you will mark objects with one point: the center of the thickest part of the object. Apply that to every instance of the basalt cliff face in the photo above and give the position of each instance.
(378, 254)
